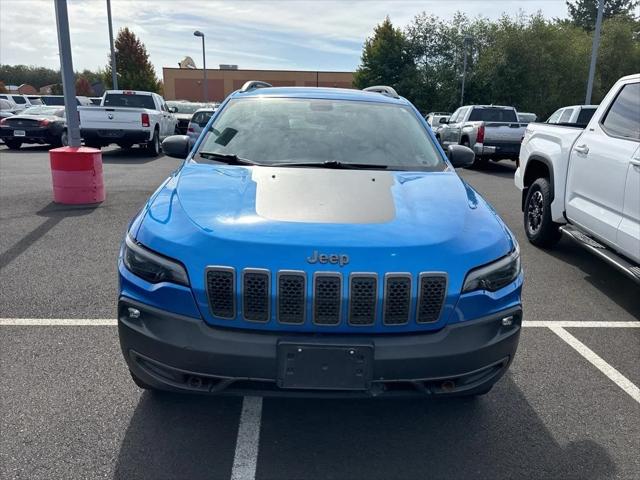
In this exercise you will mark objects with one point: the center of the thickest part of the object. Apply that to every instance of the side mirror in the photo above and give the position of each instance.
(173, 109)
(460, 156)
(443, 120)
(176, 146)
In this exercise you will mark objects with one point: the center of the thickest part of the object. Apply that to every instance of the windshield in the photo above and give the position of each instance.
(185, 107)
(54, 100)
(43, 110)
(493, 115)
(129, 100)
(35, 100)
(285, 130)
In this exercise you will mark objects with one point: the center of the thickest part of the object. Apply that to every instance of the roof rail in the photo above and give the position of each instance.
(384, 90)
(253, 84)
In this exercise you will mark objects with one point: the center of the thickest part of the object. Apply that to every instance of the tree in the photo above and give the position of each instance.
(134, 70)
(56, 89)
(387, 60)
(583, 13)
(83, 87)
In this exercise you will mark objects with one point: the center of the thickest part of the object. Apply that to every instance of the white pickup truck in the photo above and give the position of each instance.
(585, 183)
(492, 131)
(126, 118)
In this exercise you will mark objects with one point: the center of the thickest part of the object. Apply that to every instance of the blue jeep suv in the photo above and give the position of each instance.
(318, 241)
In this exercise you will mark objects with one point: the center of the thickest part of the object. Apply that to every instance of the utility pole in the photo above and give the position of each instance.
(68, 77)
(114, 75)
(465, 46)
(594, 53)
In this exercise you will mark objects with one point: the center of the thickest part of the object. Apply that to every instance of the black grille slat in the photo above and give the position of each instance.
(363, 297)
(327, 299)
(255, 296)
(291, 298)
(397, 300)
(221, 292)
(433, 289)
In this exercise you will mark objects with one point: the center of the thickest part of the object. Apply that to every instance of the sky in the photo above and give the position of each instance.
(286, 35)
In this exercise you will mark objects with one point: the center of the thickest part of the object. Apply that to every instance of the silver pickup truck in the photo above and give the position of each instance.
(493, 132)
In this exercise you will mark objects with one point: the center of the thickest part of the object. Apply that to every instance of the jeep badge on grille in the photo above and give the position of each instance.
(335, 258)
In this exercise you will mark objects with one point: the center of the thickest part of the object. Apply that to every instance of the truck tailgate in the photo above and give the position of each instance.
(496, 132)
(121, 118)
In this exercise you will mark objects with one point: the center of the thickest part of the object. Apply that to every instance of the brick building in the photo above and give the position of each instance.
(186, 84)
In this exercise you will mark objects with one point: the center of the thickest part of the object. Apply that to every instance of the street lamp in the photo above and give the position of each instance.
(198, 33)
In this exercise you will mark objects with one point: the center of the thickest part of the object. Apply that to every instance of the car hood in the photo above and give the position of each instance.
(277, 218)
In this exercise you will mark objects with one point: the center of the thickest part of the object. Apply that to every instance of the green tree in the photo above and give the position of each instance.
(135, 71)
(56, 89)
(583, 13)
(387, 60)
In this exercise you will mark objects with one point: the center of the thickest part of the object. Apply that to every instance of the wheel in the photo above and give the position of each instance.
(153, 147)
(540, 229)
(13, 144)
(64, 139)
(141, 383)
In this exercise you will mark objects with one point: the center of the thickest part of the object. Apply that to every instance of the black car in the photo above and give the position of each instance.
(41, 124)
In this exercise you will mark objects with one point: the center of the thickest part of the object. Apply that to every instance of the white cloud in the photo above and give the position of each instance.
(255, 34)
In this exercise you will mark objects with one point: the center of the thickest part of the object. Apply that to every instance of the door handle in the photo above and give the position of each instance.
(581, 149)
(635, 163)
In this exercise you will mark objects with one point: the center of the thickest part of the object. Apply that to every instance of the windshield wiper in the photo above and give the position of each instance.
(332, 164)
(228, 158)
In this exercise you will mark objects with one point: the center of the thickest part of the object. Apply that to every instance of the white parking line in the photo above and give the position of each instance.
(246, 455)
(89, 322)
(614, 375)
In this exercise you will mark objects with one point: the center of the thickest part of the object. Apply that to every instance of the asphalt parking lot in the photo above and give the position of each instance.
(569, 408)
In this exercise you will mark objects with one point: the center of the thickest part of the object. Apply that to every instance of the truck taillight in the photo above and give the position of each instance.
(3, 121)
(191, 130)
(480, 136)
(44, 122)
(145, 120)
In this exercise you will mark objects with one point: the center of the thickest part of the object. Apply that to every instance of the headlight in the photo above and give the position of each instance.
(494, 276)
(152, 267)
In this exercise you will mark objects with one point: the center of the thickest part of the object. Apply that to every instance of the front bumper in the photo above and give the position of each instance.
(179, 353)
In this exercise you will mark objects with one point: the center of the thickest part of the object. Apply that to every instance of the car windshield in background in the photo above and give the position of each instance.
(183, 107)
(285, 130)
(44, 110)
(129, 100)
(35, 101)
(493, 115)
(201, 118)
(53, 100)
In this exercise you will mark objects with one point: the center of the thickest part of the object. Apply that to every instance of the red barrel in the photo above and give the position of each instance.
(76, 173)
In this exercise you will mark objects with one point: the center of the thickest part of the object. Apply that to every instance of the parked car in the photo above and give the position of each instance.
(7, 108)
(434, 119)
(199, 120)
(585, 182)
(578, 115)
(95, 100)
(39, 124)
(58, 100)
(183, 112)
(492, 131)
(318, 241)
(127, 118)
(526, 117)
(20, 101)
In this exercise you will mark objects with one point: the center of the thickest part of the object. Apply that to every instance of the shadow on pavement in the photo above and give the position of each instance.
(601, 275)
(54, 213)
(180, 436)
(499, 436)
(503, 168)
(133, 156)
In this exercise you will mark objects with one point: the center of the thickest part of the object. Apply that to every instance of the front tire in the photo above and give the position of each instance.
(541, 230)
(13, 144)
(153, 147)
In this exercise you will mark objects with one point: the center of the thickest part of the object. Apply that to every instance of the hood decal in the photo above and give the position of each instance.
(310, 195)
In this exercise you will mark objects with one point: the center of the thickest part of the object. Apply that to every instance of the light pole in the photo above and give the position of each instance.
(465, 46)
(114, 76)
(198, 33)
(594, 53)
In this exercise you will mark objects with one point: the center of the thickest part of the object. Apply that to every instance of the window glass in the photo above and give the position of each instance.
(623, 118)
(566, 115)
(285, 130)
(454, 117)
(555, 116)
(201, 118)
(585, 115)
(19, 100)
(490, 114)
(129, 100)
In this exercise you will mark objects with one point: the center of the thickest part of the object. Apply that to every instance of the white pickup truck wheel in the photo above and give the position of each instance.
(541, 230)
(153, 146)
